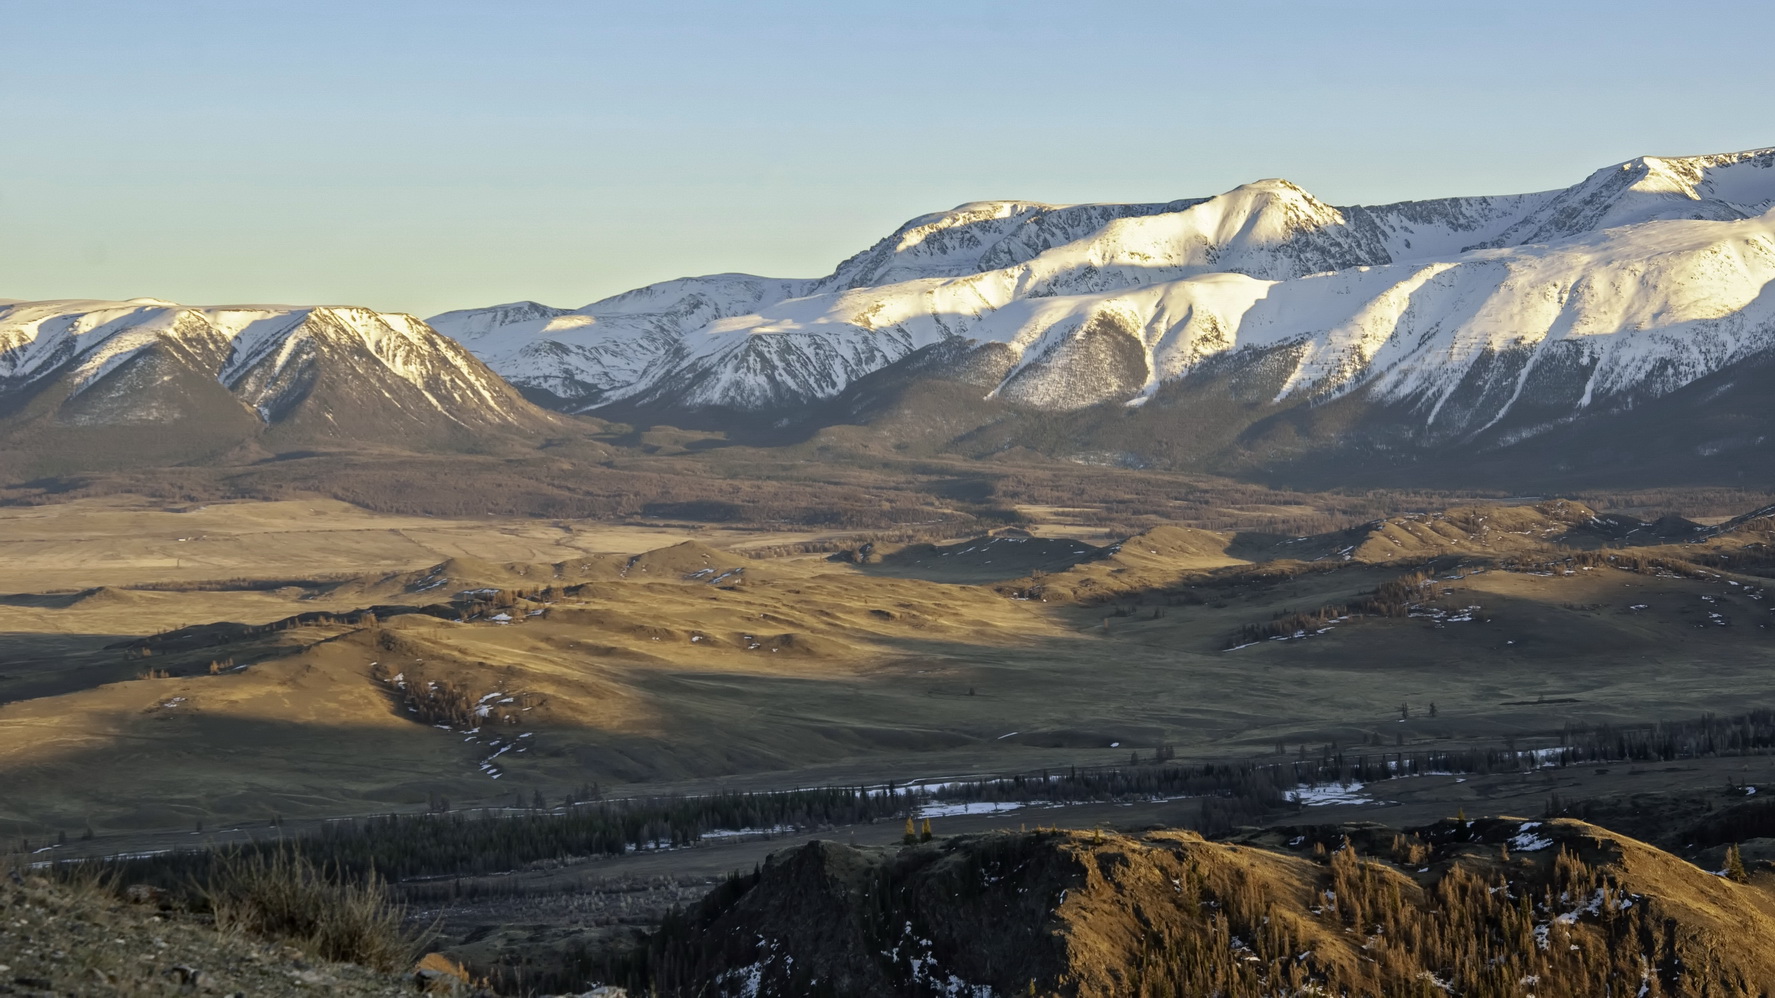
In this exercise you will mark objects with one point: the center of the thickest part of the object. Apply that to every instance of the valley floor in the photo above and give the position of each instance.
(152, 699)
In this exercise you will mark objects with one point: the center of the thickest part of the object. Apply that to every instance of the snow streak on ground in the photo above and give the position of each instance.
(973, 807)
(1320, 794)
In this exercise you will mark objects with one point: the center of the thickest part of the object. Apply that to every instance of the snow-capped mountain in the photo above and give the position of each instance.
(147, 370)
(1461, 317)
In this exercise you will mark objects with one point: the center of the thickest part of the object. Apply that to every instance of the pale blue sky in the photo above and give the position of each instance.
(421, 156)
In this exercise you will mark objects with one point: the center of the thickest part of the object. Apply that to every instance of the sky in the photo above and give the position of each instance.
(425, 156)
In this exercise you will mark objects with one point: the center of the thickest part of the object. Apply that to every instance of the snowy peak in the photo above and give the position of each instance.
(582, 356)
(277, 359)
(1270, 230)
(1255, 219)
(1267, 213)
(1649, 188)
(342, 370)
(1745, 180)
(944, 244)
(466, 324)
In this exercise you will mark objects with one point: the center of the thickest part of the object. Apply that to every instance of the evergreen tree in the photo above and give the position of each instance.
(1735, 865)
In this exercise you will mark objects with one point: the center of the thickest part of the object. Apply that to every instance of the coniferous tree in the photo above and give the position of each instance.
(1735, 865)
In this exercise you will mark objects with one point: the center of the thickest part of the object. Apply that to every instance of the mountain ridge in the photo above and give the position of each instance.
(1259, 332)
(95, 383)
(1169, 286)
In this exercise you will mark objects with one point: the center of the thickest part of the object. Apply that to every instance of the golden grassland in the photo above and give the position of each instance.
(696, 666)
(128, 541)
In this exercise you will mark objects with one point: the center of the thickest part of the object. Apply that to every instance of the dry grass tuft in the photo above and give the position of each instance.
(286, 896)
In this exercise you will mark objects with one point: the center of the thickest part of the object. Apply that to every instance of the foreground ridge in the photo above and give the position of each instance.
(1494, 906)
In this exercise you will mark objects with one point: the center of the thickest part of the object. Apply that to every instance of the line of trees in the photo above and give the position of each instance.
(1271, 782)
(467, 843)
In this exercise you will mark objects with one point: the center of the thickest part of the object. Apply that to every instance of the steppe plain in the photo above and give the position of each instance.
(142, 693)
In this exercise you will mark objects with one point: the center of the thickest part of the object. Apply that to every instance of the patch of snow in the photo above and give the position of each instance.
(972, 807)
(1320, 794)
(729, 833)
(1525, 839)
